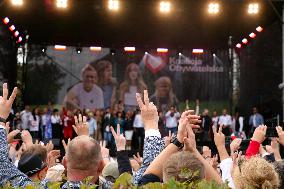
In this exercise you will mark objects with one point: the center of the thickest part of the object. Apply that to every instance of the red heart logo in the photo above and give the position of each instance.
(154, 63)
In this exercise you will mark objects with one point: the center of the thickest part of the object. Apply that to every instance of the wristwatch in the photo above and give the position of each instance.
(177, 143)
(2, 120)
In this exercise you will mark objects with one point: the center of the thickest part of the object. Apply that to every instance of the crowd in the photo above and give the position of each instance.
(23, 160)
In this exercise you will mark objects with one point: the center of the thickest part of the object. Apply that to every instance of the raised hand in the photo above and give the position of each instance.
(51, 158)
(104, 151)
(168, 139)
(65, 145)
(6, 104)
(187, 119)
(27, 138)
(259, 134)
(280, 133)
(235, 144)
(138, 159)
(206, 152)
(11, 135)
(81, 126)
(149, 111)
(120, 140)
(49, 146)
(219, 137)
(189, 141)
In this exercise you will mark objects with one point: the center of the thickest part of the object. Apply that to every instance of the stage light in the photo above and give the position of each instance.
(129, 49)
(214, 54)
(60, 47)
(252, 35)
(253, 8)
(162, 50)
(6, 20)
(146, 53)
(95, 48)
(244, 41)
(61, 3)
(79, 50)
(179, 54)
(12, 28)
(197, 51)
(238, 45)
(16, 33)
(259, 29)
(113, 5)
(165, 6)
(213, 8)
(20, 39)
(17, 2)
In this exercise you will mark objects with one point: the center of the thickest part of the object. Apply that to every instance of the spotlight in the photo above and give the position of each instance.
(214, 54)
(244, 41)
(95, 48)
(6, 20)
(252, 35)
(61, 3)
(129, 49)
(16, 33)
(162, 50)
(179, 54)
(213, 8)
(113, 5)
(12, 28)
(20, 39)
(259, 29)
(79, 50)
(238, 45)
(253, 8)
(17, 2)
(60, 47)
(197, 51)
(146, 53)
(165, 6)
(112, 51)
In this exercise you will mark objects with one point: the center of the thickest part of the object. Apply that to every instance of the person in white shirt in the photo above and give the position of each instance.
(86, 94)
(34, 121)
(225, 121)
(92, 124)
(215, 118)
(25, 118)
(172, 117)
(139, 131)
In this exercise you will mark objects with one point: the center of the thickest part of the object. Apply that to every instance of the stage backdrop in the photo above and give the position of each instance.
(118, 75)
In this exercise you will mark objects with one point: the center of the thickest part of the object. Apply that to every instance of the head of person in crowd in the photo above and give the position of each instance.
(215, 113)
(35, 112)
(119, 114)
(255, 173)
(89, 77)
(55, 112)
(110, 171)
(83, 159)
(254, 110)
(33, 162)
(104, 70)
(133, 77)
(205, 112)
(183, 161)
(27, 108)
(224, 112)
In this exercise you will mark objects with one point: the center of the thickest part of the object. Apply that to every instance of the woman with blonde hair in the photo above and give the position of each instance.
(255, 173)
(132, 84)
(164, 96)
(107, 83)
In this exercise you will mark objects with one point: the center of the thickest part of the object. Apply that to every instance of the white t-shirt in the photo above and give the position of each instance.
(25, 118)
(89, 100)
(226, 166)
(172, 121)
(138, 123)
(130, 96)
(34, 124)
(55, 119)
(225, 120)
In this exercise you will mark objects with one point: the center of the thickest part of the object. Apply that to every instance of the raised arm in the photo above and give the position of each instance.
(8, 173)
